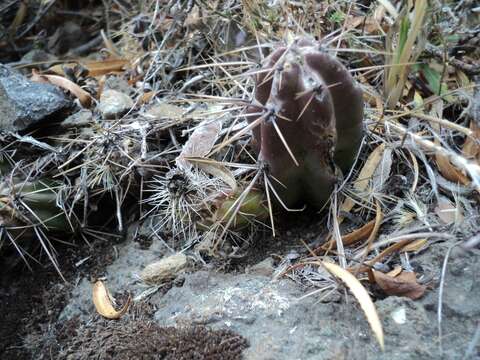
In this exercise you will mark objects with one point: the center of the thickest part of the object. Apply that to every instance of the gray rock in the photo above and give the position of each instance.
(24, 103)
(117, 83)
(82, 118)
(264, 267)
(114, 104)
(269, 314)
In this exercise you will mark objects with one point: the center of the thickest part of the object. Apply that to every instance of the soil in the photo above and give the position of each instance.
(186, 320)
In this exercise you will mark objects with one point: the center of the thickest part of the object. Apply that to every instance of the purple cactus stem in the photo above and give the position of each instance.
(312, 127)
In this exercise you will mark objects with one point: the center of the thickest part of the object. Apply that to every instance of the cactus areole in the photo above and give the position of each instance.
(309, 112)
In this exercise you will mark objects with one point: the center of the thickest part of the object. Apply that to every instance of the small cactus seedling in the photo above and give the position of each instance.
(311, 113)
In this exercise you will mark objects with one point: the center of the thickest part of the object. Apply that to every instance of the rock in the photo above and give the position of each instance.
(166, 269)
(268, 314)
(114, 104)
(40, 56)
(82, 118)
(117, 83)
(265, 268)
(24, 103)
(163, 111)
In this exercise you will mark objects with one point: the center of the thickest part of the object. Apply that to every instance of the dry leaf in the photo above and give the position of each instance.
(362, 296)
(446, 168)
(83, 96)
(359, 234)
(146, 97)
(396, 271)
(103, 302)
(449, 171)
(364, 176)
(353, 237)
(404, 284)
(391, 249)
(94, 68)
(199, 143)
(219, 171)
(415, 246)
(447, 212)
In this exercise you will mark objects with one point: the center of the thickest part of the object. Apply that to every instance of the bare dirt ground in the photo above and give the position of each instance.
(239, 308)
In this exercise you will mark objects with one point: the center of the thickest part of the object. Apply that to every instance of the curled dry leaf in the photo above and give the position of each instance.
(103, 302)
(362, 296)
(199, 143)
(405, 284)
(389, 250)
(165, 269)
(219, 171)
(446, 168)
(396, 271)
(83, 96)
(449, 171)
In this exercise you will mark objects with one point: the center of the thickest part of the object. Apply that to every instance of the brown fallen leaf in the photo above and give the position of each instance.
(94, 68)
(395, 272)
(358, 234)
(199, 144)
(450, 172)
(353, 237)
(445, 166)
(83, 96)
(405, 284)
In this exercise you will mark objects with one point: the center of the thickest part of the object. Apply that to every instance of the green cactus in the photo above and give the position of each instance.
(31, 203)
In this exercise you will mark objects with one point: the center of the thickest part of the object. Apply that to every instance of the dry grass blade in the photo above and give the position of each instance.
(363, 298)
(364, 176)
(409, 46)
(471, 168)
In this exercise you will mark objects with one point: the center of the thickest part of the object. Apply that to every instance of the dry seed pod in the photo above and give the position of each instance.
(165, 269)
(312, 112)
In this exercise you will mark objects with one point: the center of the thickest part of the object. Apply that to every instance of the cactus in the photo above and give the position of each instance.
(28, 203)
(312, 112)
(251, 209)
